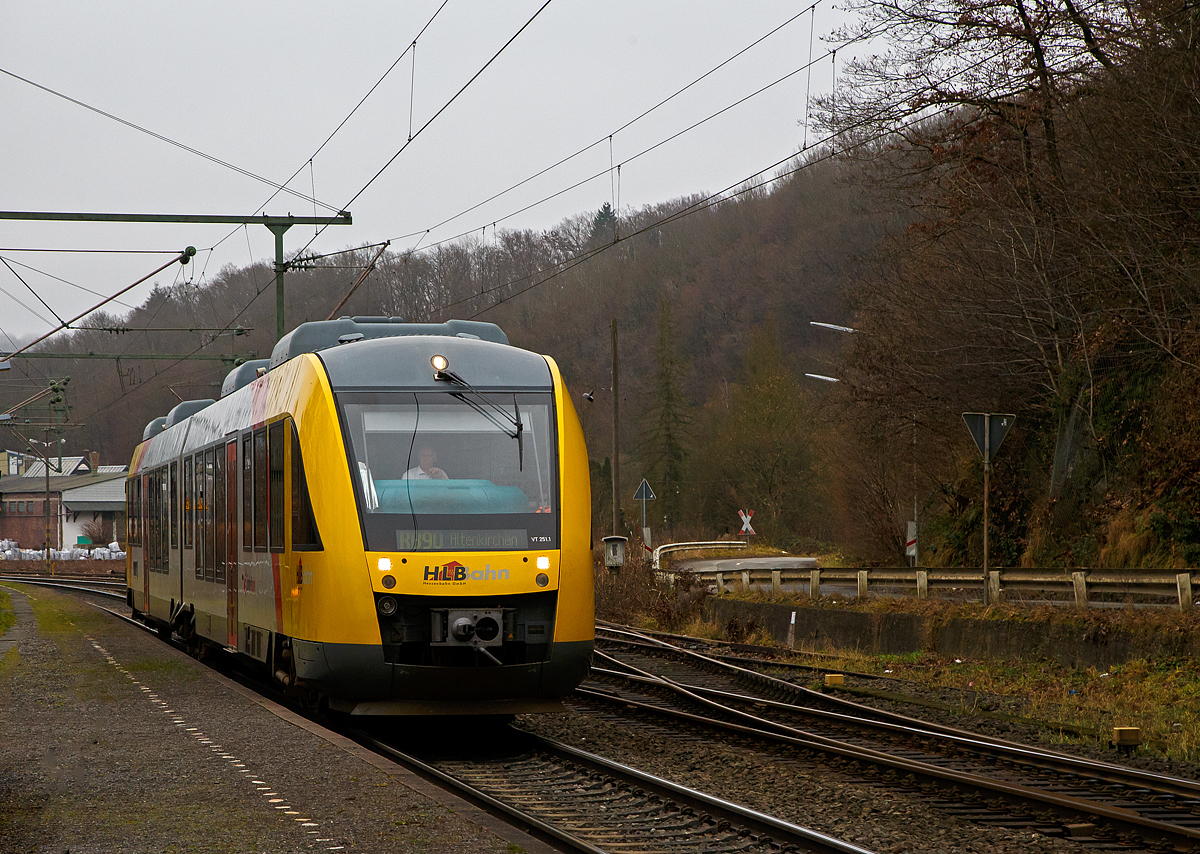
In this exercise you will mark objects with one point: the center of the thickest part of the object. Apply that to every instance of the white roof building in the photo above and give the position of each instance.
(70, 466)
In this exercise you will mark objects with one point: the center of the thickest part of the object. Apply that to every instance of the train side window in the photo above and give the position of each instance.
(210, 527)
(175, 505)
(130, 514)
(304, 526)
(275, 491)
(189, 507)
(199, 515)
(247, 495)
(220, 522)
(260, 490)
(152, 521)
(156, 517)
(137, 507)
(164, 511)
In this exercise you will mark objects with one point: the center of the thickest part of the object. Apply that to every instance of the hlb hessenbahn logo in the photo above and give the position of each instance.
(453, 571)
(457, 572)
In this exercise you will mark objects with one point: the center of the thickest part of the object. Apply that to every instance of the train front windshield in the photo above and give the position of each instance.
(452, 471)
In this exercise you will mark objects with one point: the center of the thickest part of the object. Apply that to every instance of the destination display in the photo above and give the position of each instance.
(475, 541)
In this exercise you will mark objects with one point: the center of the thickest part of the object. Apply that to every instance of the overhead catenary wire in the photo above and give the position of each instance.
(714, 199)
(863, 36)
(224, 163)
(350, 114)
(746, 185)
(412, 46)
(613, 170)
(182, 258)
(413, 136)
(45, 251)
(628, 124)
(441, 110)
(4, 261)
(717, 197)
(73, 284)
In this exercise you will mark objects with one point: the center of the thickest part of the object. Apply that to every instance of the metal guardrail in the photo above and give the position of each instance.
(1082, 588)
(659, 551)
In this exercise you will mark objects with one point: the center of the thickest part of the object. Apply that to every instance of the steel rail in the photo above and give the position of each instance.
(1076, 808)
(776, 829)
(756, 822)
(477, 795)
(849, 705)
(71, 584)
(739, 659)
(1025, 755)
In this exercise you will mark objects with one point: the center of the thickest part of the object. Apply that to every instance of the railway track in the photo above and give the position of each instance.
(99, 586)
(985, 778)
(881, 688)
(574, 800)
(592, 804)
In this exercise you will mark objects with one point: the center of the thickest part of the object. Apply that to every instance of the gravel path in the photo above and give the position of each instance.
(111, 741)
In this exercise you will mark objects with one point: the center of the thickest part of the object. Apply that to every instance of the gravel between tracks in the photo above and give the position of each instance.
(819, 798)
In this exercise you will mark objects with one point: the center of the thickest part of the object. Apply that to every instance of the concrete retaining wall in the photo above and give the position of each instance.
(1070, 642)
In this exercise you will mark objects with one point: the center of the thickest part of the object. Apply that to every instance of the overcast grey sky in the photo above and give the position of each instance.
(262, 85)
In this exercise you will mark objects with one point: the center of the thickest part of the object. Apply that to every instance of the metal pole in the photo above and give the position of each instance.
(280, 268)
(616, 457)
(49, 564)
(916, 503)
(987, 467)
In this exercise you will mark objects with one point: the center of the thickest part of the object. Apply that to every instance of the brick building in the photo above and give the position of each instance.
(28, 505)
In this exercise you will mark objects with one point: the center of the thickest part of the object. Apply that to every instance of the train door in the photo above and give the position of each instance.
(144, 524)
(176, 562)
(232, 574)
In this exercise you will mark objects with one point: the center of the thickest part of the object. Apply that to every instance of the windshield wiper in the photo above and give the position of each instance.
(515, 432)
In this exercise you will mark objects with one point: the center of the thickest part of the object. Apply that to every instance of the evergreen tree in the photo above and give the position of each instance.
(604, 225)
(665, 437)
(763, 447)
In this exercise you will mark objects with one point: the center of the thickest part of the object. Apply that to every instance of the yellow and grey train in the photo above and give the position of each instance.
(390, 518)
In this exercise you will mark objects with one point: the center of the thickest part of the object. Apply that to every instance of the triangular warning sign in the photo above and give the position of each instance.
(988, 430)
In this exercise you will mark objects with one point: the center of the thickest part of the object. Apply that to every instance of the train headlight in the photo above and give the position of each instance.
(543, 562)
(389, 581)
(542, 579)
(387, 606)
(440, 363)
(385, 564)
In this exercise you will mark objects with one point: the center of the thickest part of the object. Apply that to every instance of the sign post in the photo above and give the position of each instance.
(746, 528)
(644, 493)
(988, 431)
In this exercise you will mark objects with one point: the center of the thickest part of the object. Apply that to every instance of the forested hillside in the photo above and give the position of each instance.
(1006, 216)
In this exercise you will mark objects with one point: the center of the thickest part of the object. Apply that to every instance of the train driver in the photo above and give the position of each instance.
(427, 470)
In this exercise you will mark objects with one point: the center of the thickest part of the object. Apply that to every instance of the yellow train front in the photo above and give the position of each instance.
(393, 519)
